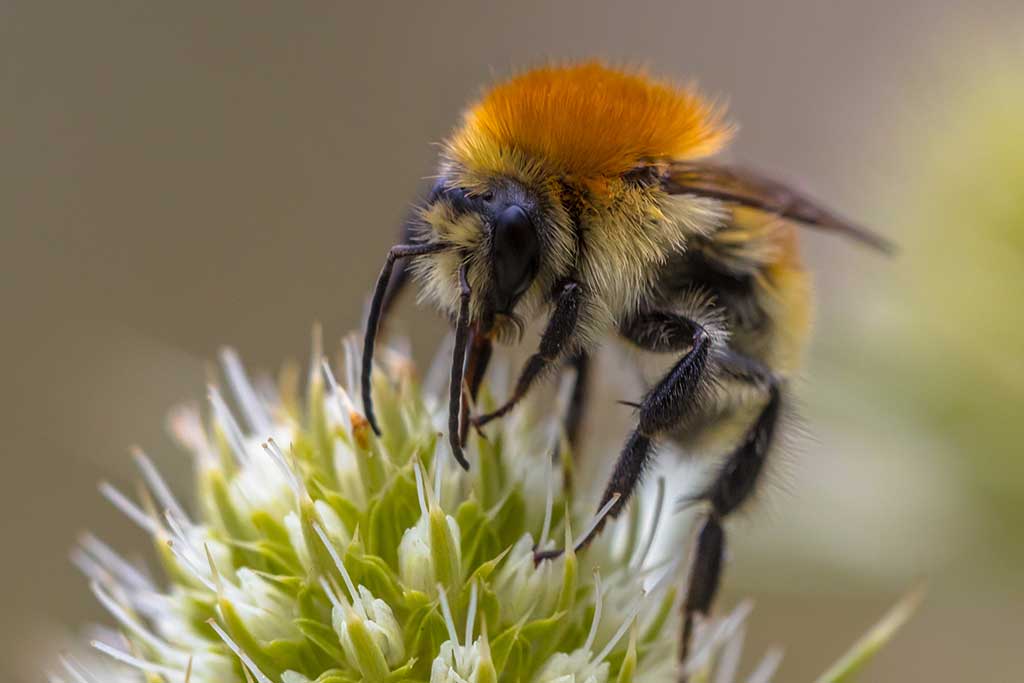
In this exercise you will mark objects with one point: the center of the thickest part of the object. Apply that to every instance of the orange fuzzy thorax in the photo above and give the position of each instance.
(586, 121)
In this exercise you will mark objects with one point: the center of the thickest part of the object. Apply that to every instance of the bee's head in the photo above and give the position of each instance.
(512, 239)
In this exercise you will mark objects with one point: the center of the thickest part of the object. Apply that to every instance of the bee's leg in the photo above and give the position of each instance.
(481, 348)
(553, 343)
(705, 575)
(400, 275)
(660, 332)
(397, 254)
(578, 400)
(728, 491)
(573, 420)
(662, 408)
(746, 369)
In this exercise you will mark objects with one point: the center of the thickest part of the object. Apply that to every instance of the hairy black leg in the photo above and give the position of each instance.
(659, 331)
(578, 399)
(735, 482)
(746, 369)
(397, 252)
(400, 275)
(742, 469)
(705, 575)
(557, 336)
(481, 347)
(573, 420)
(455, 387)
(662, 408)
(732, 487)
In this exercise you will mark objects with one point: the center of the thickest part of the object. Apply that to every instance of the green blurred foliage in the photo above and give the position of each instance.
(951, 344)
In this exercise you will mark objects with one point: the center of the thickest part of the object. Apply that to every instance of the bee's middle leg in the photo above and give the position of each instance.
(736, 480)
(664, 406)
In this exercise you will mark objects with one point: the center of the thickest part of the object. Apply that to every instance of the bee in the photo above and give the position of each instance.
(587, 193)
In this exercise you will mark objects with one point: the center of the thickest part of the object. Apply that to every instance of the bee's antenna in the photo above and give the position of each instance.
(458, 368)
(373, 318)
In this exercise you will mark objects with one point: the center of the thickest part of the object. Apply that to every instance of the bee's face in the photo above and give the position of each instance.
(507, 234)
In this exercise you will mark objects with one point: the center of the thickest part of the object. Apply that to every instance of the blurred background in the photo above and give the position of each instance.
(179, 176)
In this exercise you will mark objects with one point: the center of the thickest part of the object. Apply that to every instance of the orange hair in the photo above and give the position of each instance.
(586, 120)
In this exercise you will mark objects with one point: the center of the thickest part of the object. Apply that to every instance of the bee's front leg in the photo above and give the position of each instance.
(379, 304)
(554, 343)
(399, 280)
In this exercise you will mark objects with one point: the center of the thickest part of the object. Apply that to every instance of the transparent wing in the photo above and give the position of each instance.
(749, 188)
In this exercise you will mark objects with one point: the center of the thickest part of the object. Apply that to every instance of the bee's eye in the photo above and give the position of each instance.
(515, 256)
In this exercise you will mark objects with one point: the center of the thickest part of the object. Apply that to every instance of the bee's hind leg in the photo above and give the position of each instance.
(732, 487)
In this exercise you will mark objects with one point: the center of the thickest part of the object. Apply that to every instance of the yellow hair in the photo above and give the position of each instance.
(586, 121)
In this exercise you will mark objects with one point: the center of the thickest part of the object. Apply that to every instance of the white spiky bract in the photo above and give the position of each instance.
(319, 552)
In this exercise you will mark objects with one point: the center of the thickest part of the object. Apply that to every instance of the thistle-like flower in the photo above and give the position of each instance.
(320, 552)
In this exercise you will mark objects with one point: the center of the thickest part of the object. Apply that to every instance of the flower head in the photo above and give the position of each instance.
(321, 552)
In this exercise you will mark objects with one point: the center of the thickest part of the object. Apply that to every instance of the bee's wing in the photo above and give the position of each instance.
(749, 188)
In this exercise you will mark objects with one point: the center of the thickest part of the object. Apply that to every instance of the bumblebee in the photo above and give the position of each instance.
(586, 193)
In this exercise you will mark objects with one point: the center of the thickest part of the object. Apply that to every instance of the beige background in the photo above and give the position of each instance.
(177, 176)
